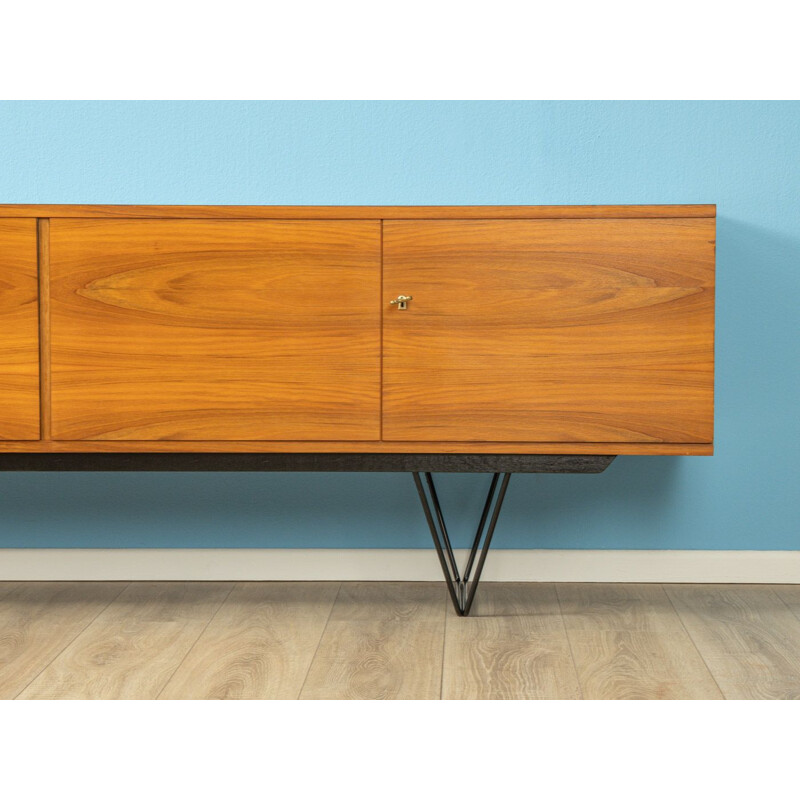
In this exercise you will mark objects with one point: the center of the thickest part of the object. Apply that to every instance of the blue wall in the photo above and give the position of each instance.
(743, 156)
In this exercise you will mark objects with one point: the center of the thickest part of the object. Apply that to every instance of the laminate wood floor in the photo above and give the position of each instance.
(182, 640)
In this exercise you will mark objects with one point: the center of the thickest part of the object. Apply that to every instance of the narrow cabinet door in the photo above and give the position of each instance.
(19, 330)
(549, 330)
(215, 329)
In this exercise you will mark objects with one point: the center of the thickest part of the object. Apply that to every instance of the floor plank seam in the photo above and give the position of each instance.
(692, 640)
(578, 681)
(444, 646)
(72, 640)
(194, 643)
(795, 614)
(319, 641)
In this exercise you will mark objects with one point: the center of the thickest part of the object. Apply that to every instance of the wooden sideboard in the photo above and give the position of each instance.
(531, 329)
(481, 331)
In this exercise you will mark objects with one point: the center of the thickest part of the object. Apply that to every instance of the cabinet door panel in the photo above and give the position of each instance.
(19, 330)
(549, 330)
(215, 329)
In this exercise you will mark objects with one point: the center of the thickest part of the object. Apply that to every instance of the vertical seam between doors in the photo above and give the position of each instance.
(43, 278)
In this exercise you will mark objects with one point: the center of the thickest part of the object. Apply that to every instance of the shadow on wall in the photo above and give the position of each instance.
(314, 509)
(758, 292)
(555, 511)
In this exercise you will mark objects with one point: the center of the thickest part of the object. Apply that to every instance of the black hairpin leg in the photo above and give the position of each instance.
(462, 590)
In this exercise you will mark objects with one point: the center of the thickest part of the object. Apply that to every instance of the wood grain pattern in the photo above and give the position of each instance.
(132, 648)
(357, 212)
(747, 636)
(215, 330)
(791, 596)
(530, 448)
(258, 646)
(19, 324)
(514, 647)
(382, 642)
(637, 607)
(636, 665)
(628, 643)
(564, 330)
(208, 328)
(38, 620)
(6, 587)
(386, 640)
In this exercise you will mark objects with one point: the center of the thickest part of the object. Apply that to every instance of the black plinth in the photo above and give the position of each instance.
(299, 462)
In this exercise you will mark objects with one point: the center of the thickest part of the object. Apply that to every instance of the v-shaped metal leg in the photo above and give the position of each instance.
(462, 590)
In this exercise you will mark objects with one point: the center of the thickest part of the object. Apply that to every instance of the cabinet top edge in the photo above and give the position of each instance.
(356, 212)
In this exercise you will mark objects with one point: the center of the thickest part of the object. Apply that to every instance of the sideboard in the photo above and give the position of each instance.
(497, 339)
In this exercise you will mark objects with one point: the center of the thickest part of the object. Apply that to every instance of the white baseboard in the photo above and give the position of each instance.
(642, 566)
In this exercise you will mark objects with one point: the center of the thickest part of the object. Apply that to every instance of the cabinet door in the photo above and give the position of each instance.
(19, 330)
(215, 329)
(549, 330)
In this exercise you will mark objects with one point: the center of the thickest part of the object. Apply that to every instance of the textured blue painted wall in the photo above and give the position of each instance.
(743, 156)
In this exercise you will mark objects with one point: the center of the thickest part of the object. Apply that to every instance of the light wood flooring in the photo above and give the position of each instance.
(175, 640)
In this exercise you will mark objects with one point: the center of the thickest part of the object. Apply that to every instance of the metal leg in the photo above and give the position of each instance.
(461, 589)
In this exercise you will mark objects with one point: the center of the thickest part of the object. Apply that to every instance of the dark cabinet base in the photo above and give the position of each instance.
(300, 462)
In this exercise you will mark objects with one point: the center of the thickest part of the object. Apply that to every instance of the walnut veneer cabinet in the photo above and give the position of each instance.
(489, 338)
